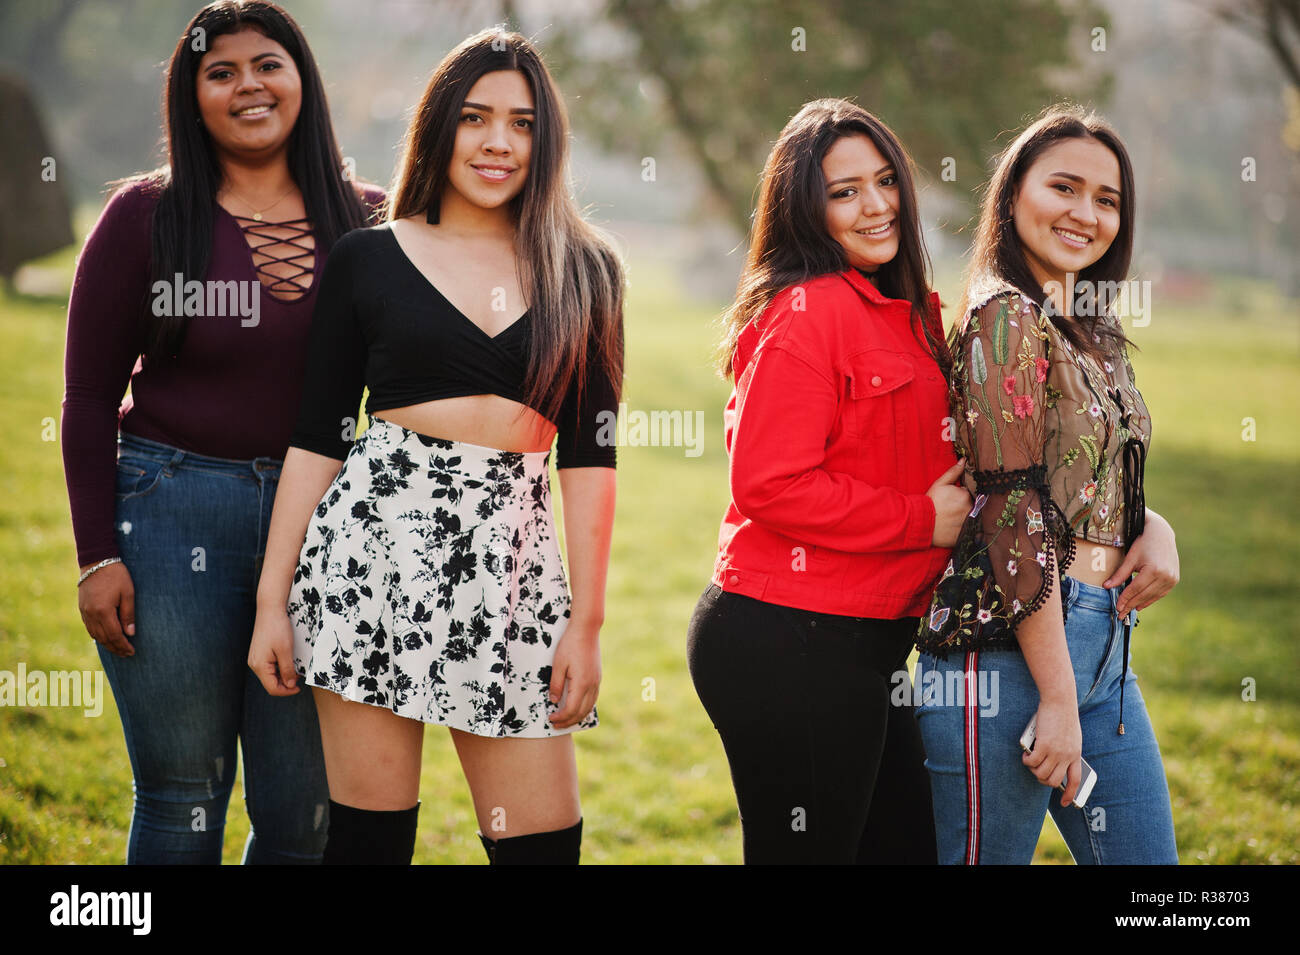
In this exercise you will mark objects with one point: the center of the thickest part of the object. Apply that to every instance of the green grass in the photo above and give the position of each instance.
(655, 783)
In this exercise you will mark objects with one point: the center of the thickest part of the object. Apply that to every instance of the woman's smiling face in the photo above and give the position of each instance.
(249, 94)
(861, 201)
(494, 140)
(1067, 208)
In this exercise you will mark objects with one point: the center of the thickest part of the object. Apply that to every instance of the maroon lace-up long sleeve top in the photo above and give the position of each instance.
(232, 392)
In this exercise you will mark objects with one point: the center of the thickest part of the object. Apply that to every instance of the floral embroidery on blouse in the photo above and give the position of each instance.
(1055, 445)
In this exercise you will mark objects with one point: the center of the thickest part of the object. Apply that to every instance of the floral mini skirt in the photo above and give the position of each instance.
(430, 583)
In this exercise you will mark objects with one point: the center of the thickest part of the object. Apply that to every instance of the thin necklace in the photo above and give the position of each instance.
(257, 213)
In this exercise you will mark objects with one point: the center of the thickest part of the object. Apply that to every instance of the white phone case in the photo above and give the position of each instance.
(1089, 774)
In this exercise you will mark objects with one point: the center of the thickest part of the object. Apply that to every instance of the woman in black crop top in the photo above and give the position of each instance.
(422, 578)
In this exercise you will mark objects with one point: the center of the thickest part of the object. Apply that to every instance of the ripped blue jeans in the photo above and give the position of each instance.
(192, 531)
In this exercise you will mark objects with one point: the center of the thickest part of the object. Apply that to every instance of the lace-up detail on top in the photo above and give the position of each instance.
(291, 277)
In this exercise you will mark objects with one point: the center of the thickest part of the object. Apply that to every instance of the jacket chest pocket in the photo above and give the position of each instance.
(880, 400)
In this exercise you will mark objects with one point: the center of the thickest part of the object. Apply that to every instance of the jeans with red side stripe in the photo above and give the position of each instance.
(989, 807)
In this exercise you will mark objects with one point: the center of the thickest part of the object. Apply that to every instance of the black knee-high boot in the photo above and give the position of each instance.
(370, 836)
(558, 847)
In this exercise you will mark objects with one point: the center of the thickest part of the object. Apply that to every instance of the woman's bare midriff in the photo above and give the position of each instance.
(486, 420)
(1089, 556)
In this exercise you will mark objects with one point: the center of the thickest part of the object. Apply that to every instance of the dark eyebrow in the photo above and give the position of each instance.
(885, 167)
(489, 109)
(1073, 178)
(259, 56)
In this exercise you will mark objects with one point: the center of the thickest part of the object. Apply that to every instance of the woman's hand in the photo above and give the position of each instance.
(577, 663)
(1058, 744)
(270, 656)
(106, 600)
(1154, 555)
(952, 505)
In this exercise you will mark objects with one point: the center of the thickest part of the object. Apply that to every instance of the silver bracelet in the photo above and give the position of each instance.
(103, 563)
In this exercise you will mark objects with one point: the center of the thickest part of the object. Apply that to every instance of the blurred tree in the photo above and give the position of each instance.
(726, 75)
(1275, 23)
(35, 217)
(41, 27)
(95, 70)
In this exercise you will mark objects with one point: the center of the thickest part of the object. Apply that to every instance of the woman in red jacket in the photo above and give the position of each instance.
(844, 503)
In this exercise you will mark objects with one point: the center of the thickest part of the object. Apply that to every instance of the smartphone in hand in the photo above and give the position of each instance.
(1089, 774)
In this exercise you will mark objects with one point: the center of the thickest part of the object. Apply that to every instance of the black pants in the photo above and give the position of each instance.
(826, 768)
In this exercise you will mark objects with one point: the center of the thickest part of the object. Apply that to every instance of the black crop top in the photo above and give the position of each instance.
(380, 323)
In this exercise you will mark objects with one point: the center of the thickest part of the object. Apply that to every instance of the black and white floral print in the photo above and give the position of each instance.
(430, 583)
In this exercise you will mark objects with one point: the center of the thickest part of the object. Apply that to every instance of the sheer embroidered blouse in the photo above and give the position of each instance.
(1055, 443)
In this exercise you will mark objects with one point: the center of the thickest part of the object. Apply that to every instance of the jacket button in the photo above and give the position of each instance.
(875, 381)
(733, 580)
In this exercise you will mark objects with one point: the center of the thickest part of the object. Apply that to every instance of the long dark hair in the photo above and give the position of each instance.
(571, 273)
(789, 243)
(997, 257)
(188, 183)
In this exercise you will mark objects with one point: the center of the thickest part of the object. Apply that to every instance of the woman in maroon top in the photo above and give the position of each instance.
(843, 503)
(197, 285)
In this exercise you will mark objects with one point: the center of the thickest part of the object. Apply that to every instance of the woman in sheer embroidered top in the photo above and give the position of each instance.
(1058, 440)
(1055, 434)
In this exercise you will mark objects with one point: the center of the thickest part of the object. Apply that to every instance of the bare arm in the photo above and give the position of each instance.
(1005, 399)
(304, 479)
(1059, 742)
(1041, 636)
(588, 495)
(1154, 558)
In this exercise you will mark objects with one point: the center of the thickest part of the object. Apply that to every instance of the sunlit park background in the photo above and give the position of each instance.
(674, 106)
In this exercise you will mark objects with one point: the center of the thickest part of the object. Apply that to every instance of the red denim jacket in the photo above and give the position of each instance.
(837, 426)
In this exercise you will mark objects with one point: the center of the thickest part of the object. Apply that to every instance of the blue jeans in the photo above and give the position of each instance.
(191, 530)
(988, 806)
